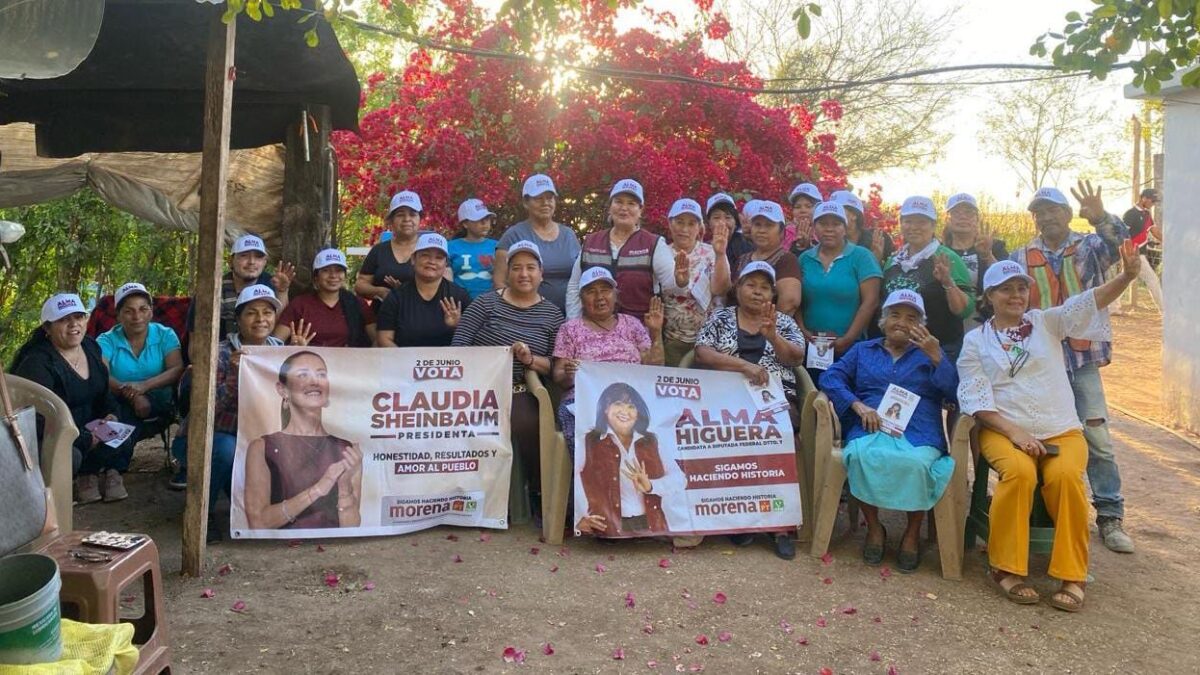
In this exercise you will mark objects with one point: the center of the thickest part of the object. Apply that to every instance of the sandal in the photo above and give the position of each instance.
(907, 562)
(873, 553)
(1013, 593)
(1077, 599)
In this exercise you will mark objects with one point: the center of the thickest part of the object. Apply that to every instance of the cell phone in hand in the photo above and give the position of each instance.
(1051, 449)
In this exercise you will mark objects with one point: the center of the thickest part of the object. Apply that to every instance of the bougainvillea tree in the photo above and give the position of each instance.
(453, 126)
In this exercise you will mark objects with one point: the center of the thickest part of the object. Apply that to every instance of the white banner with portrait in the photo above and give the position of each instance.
(336, 442)
(668, 451)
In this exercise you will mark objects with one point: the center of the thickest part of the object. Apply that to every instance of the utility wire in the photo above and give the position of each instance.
(637, 75)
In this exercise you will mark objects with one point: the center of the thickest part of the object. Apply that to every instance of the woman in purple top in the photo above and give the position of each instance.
(302, 477)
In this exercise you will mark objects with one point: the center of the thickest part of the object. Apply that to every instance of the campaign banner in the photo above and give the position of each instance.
(337, 442)
(668, 451)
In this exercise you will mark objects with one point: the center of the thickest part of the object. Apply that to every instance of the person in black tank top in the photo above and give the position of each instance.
(302, 477)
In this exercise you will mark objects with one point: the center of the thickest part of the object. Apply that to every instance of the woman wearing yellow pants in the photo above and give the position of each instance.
(1013, 379)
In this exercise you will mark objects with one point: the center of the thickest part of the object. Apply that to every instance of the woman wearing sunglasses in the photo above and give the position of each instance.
(1013, 379)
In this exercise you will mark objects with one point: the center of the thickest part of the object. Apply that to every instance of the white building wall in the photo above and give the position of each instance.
(1181, 259)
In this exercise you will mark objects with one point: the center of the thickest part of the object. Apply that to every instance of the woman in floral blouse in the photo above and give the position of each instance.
(708, 278)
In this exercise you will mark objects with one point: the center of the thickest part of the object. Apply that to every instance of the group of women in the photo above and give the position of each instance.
(761, 297)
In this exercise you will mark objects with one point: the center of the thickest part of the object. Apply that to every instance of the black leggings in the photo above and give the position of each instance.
(526, 439)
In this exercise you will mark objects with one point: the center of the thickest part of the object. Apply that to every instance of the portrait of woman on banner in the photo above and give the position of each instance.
(629, 487)
(301, 476)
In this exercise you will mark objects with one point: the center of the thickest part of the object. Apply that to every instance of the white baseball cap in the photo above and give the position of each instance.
(131, 288)
(1001, 272)
(918, 206)
(60, 305)
(807, 190)
(248, 242)
(525, 246)
(761, 207)
(757, 266)
(406, 198)
(1049, 194)
(430, 240)
(848, 199)
(682, 206)
(538, 184)
(628, 186)
(905, 296)
(473, 209)
(330, 256)
(593, 274)
(258, 292)
(719, 198)
(961, 198)
(830, 208)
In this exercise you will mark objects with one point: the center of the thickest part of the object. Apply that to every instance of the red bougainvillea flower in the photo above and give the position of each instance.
(239, 606)
(702, 639)
(208, 593)
(369, 586)
(457, 126)
(513, 655)
(331, 579)
(874, 656)
(720, 598)
(664, 562)
(629, 603)
(224, 570)
(548, 649)
(724, 636)
(618, 654)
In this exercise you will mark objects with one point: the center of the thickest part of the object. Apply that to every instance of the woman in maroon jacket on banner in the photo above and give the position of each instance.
(629, 487)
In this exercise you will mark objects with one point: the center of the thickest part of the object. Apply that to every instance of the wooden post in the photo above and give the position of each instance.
(1136, 183)
(308, 209)
(218, 98)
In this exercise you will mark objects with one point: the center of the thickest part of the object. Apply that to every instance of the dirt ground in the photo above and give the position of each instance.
(451, 600)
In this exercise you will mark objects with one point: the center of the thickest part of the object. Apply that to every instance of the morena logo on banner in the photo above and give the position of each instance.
(438, 369)
(672, 386)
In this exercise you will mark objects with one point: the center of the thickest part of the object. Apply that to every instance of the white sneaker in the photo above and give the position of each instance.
(87, 487)
(114, 486)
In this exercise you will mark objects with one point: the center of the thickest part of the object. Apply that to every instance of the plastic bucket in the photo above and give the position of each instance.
(30, 622)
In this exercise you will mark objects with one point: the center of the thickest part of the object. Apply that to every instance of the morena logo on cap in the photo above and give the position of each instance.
(524, 246)
(1049, 194)
(126, 290)
(406, 198)
(807, 190)
(328, 257)
(766, 209)
(961, 198)
(918, 206)
(757, 266)
(538, 184)
(473, 209)
(431, 240)
(682, 206)
(829, 209)
(249, 242)
(847, 199)
(719, 198)
(593, 274)
(627, 186)
(905, 296)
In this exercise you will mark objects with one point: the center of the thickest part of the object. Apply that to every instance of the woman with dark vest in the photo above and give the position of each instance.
(640, 261)
(302, 477)
(628, 488)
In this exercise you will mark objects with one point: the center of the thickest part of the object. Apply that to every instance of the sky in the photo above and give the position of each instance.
(984, 32)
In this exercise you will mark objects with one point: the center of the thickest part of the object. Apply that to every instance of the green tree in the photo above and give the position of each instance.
(884, 125)
(1166, 32)
(80, 244)
(1045, 128)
